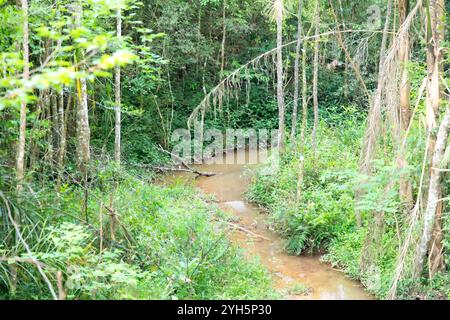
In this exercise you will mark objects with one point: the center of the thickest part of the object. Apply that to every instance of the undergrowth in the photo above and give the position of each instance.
(322, 217)
(164, 244)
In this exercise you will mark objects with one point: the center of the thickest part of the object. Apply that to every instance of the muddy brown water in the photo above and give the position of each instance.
(251, 233)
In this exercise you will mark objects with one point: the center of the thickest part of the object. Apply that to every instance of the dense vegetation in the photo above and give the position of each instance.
(91, 91)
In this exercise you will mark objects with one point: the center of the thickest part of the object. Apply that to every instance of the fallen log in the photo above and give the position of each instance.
(186, 166)
(234, 225)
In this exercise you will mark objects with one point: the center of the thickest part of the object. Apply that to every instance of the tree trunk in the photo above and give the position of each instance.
(54, 141)
(296, 70)
(434, 194)
(436, 146)
(436, 256)
(346, 61)
(303, 127)
(117, 142)
(224, 38)
(20, 159)
(83, 129)
(62, 136)
(405, 110)
(280, 82)
(304, 103)
(316, 78)
(403, 56)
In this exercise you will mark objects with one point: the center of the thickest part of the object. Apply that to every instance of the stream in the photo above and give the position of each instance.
(254, 237)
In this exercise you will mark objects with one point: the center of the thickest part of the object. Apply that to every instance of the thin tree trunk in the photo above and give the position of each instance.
(280, 82)
(433, 61)
(434, 194)
(304, 102)
(54, 141)
(436, 256)
(20, 160)
(303, 127)
(436, 145)
(62, 136)
(316, 78)
(83, 129)
(296, 70)
(405, 109)
(346, 62)
(405, 87)
(224, 38)
(117, 140)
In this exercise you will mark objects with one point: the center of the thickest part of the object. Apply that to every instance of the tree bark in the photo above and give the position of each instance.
(54, 141)
(296, 70)
(280, 83)
(304, 103)
(405, 105)
(301, 168)
(62, 136)
(118, 111)
(434, 194)
(436, 256)
(403, 56)
(83, 129)
(316, 77)
(224, 38)
(433, 39)
(20, 159)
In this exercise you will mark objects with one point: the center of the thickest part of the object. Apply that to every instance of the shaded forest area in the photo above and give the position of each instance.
(91, 91)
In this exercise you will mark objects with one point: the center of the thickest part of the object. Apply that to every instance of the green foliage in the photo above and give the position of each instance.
(323, 218)
(167, 244)
(326, 206)
(89, 274)
(167, 247)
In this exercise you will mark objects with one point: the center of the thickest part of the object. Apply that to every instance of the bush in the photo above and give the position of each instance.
(325, 208)
(166, 245)
(322, 218)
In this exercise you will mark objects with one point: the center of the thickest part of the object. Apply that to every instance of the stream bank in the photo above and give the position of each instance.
(252, 234)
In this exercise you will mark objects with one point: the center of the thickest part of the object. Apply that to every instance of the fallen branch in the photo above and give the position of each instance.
(234, 225)
(164, 169)
(186, 166)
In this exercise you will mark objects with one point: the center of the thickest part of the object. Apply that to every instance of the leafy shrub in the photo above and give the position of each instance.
(325, 208)
(323, 217)
(165, 246)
